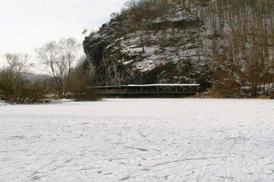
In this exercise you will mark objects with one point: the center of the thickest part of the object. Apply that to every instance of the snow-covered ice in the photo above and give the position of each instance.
(141, 140)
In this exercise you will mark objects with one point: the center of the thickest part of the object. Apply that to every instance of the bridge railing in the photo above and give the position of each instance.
(151, 89)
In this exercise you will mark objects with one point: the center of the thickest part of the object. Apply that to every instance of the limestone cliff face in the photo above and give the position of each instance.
(168, 49)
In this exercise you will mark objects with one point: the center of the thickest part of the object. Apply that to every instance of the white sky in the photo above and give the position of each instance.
(28, 24)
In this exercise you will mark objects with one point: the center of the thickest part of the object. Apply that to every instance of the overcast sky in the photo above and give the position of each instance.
(28, 24)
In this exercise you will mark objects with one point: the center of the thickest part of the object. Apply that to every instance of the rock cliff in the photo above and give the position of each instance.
(168, 49)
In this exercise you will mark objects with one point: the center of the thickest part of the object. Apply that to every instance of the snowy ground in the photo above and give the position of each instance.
(142, 140)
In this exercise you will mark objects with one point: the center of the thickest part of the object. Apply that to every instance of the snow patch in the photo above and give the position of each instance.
(138, 140)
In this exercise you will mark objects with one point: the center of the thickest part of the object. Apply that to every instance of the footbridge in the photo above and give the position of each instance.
(148, 90)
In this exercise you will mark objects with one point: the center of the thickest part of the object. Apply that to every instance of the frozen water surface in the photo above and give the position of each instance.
(138, 140)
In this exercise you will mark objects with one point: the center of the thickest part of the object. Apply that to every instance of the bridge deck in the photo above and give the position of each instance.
(148, 90)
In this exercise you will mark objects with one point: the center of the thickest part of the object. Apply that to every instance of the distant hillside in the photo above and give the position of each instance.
(35, 77)
(222, 44)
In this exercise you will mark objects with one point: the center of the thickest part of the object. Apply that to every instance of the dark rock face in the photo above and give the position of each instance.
(169, 50)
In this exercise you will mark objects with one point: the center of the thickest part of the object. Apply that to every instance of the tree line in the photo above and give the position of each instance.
(68, 77)
(242, 46)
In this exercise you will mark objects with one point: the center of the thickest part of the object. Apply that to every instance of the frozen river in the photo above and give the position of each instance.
(140, 140)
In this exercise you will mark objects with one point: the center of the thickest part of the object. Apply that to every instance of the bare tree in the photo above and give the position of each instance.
(69, 48)
(58, 57)
(11, 80)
